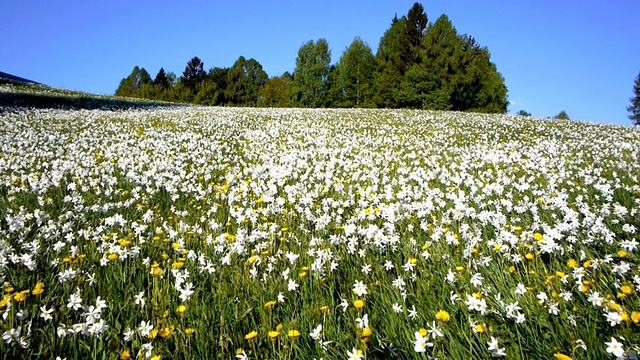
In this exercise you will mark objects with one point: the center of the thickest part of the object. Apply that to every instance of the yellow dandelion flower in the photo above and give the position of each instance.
(5, 300)
(442, 315)
(293, 334)
(125, 355)
(270, 304)
(189, 331)
(273, 334)
(39, 289)
(157, 271)
(423, 332)
(624, 316)
(366, 332)
(324, 308)
(358, 304)
(561, 356)
(459, 268)
(586, 285)
(480, 328)
(112, 257)
(153, 334)
(622, 253)
(124, 242)
(529, 256)
(626, 289)
(512, 269)
(250, 336)
(635, 316)
(21, 296)
(165, 332)
(586, 264)
(572, 263)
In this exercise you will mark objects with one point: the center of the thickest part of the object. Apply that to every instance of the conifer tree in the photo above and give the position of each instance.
(634, 108)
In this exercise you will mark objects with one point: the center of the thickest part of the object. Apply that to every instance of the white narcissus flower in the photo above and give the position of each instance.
(615, 347)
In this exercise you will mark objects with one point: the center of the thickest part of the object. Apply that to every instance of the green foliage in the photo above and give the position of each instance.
(562, 116)
(392, 61)
(354, 76)
(277, 91)
(418, 65)
(311, 73)
(452, 73)
(634, 108)
(131, 85)
(193, 74)
(161, 79)
(244, 80)
(523, 113)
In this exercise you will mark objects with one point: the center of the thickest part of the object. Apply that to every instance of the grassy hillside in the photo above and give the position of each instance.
(220, 233)
(16, 93)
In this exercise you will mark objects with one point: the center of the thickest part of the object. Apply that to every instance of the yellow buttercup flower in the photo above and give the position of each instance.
(273, 334)
(181, 309)
(250, 336)
(358, 304)
(270, 304)
(293, 334)
(442, 315)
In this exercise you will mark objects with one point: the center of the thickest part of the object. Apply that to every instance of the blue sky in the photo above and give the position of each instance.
(580, 56)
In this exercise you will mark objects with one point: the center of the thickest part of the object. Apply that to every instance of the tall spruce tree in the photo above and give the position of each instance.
(393, 60)
(161, 79)
(634, 108)
(193, 74)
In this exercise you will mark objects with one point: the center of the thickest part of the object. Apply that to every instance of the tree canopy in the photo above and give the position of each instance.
(634, 108)
(418, 64)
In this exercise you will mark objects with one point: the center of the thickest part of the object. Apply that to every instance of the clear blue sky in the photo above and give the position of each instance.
(580, 56)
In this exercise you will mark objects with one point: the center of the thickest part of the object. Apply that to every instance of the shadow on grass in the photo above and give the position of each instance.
(73, 102)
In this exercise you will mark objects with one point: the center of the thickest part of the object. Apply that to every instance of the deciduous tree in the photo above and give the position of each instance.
(311, 73)
(355, 75)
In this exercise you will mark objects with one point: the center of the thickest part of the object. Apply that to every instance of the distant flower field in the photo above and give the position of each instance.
(220, 233)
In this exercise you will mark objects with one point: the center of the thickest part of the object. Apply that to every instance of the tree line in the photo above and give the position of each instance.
(418, 65)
